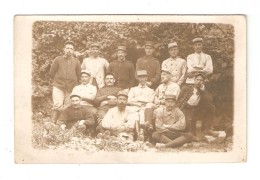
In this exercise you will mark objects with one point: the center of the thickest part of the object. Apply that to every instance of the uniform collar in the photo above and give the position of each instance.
(142, 86)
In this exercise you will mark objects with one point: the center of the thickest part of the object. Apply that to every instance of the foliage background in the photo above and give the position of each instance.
(49, 38)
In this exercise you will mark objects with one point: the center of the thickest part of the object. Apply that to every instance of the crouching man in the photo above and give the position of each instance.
(120, 120)
(77, 115)
(170, 124)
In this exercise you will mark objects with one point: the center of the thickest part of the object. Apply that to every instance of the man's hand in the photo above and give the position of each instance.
(103, 103)
(63, 126)
(149, 83)
(81, 122)
(111, 97)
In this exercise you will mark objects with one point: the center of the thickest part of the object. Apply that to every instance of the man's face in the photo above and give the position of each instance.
(110, 80)
(68, 50)
(170, 104)
(174, 51)
(197, 47)
(75, 101)
(95, 51)
(142, 79)
(121, 55)
(165, 77)
(148, 50)
(84, 78)
(199, 81)
(121, 101)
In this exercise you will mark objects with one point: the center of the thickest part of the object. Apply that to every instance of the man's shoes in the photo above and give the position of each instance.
(140, 138)
(160, 145)
(211, 133)
(106, 134)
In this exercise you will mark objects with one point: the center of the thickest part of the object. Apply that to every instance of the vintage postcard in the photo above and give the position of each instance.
(130, 88)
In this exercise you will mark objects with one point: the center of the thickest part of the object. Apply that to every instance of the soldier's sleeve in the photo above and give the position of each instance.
(183, 71)
(99, 98)
(189, 64)
(89, 118)
(54, 68)
(64, 117)
(180, 124)
(208, 69)
(132, 75)
(157, 76)
(106, 122)
(78, 70)
(158, 116)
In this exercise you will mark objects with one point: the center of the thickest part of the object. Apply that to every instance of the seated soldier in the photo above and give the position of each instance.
(196, 103)
(120, 120)
(170, 124)
(106, 98)
(86, 91)
(77, 115)
(138, 97)
(167, 87)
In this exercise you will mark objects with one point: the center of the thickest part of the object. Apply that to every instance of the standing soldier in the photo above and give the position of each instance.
(176, 65)
(150, 64)
(65, 72)
(198, 62)
(96, 65)
(123, 70)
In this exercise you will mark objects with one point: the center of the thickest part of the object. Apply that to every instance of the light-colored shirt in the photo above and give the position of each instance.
(177, 67)
(116, 120)
(85, 91)
(174, 120)
(171, 88)
(195, 97)
(97, 68)
(140, 94)
(199, 60)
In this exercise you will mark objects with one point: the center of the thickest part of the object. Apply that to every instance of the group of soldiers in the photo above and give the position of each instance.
(162, 108)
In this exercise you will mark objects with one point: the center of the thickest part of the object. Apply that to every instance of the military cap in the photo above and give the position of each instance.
(95, 45)
(170, 96)
(200, 74)
(172, 44)
(197, 40)
(74, 95)
(121, 48)
(141, 73)
(149, 43)
(69, 42)
(85, 72)
(122, 93)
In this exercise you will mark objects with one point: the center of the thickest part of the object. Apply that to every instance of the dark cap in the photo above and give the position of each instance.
(69, 42)
(149, 43)
(200, 74)
(75, 95)
(85, 72)
(122, 93)
(121, 48)
(170, 96)
(198, 39)
(172, 44)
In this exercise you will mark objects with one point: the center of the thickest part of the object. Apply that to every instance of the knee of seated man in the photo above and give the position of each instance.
(156, 136)
(149, 105)
(188, 136)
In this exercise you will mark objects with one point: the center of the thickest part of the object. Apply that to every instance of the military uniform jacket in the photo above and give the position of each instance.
(124, 72)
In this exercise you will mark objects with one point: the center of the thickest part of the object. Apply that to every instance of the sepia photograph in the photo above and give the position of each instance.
(130, 88)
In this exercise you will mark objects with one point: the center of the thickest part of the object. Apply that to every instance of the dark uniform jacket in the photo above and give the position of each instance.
(152, 66)
(72, 115)
(124, 72)
(65, 73)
